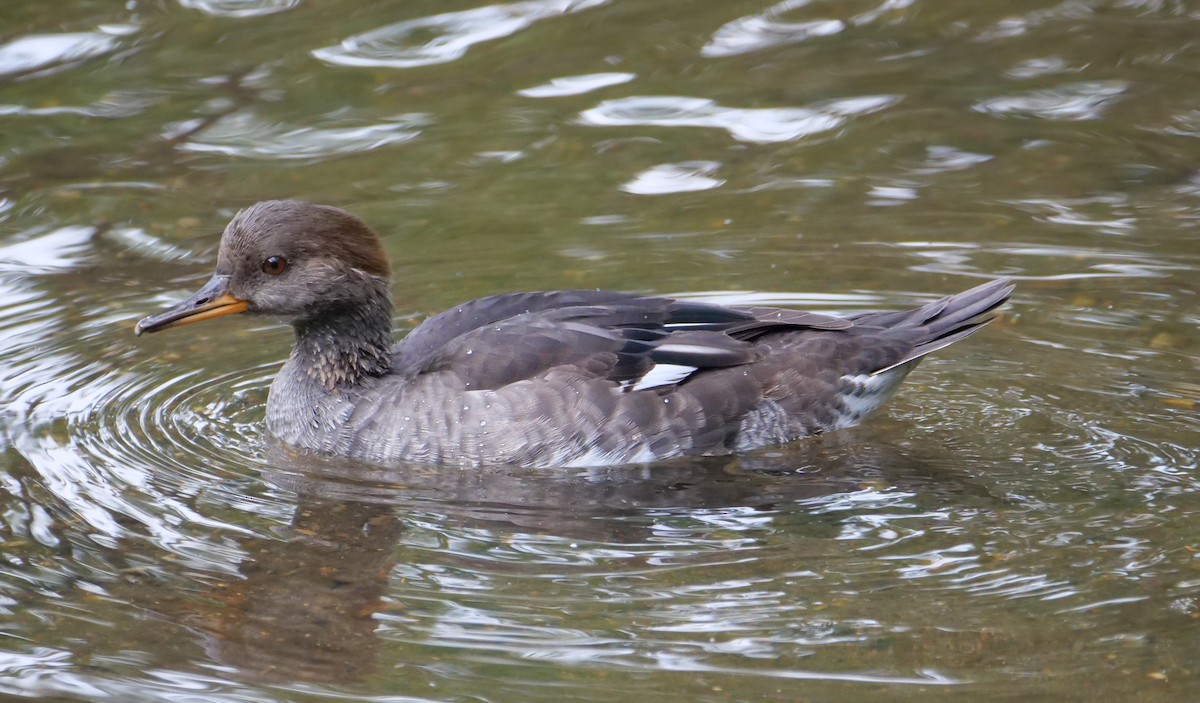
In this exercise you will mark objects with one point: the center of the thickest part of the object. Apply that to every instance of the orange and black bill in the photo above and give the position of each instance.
(213, 300)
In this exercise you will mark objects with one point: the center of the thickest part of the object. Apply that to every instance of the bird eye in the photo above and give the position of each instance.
(274, 265)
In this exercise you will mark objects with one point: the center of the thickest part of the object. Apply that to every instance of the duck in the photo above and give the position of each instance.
(571, 378)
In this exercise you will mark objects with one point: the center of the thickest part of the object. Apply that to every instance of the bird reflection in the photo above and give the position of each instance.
(303, 609)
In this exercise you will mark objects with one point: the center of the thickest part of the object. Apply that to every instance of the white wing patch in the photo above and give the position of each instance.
(694, 350)
(663, 375)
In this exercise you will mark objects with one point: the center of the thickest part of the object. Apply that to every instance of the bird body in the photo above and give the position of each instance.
(565, 378)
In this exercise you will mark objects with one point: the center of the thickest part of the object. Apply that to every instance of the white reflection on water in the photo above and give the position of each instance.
(42, 51)
(576, 85)
(1115, 216)
(684, 177)
(769, 28)
(62, 248)
(966, 567)
(756, 125)
(892, 194)
(453, 34)
(1185, 124)
(1034, 262)
(941, 158)
(250, 136)
(240, 8)
(1086, 100)
(1071, 11)
(115, 105)
(1042, 66)
(766, 29)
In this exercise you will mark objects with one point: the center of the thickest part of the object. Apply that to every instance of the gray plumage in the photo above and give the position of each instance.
(567, 378)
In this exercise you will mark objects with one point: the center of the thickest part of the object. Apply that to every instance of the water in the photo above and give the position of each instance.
(1020, 524)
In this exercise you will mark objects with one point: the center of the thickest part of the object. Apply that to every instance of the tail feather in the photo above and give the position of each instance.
(968, 307)
(945, 321)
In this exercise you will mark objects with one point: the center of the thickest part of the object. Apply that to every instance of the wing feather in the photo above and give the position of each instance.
(643, 343)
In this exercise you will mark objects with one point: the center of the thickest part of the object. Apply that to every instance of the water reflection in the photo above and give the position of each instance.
(1073, 101)
(301, 606)
(1040, 262)
(447, 37)
(944, 158)
(767, 30)
(35, 252)
(432, 559)
(757, 125)
(114, 105)
(47, 52)
(249, 136)
(240, 8)
(576, 85)
(489, 552)
(683, 177)
(776, 27)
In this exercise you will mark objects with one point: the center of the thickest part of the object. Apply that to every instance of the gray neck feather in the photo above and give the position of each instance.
(343, 345)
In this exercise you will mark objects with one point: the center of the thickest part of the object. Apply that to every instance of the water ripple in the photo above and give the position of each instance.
(249, 136)
(453, 34)
(944, 159)
(108, 446)
(1086, 100)
(115, 105)
(684, 177)
(1185, 124)
(769, 28)
(765, 30)
(44, 252)
(576, 85)
(1041, 66)
(1018, 25)
(240, 8)
(139, 453)
(1113, 212)
(46, 52)
(1038, 262)
(756, 125)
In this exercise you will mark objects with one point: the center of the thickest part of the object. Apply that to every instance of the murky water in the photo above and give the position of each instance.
(1022, 524)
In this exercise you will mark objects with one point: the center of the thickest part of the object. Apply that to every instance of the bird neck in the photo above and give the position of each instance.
(345, 344)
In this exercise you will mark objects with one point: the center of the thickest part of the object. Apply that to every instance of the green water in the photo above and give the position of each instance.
(1021, 524)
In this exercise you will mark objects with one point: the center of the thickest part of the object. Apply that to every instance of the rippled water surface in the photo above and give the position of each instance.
(1023, 523)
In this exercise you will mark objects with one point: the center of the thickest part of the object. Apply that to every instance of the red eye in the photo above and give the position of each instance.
(274, 265)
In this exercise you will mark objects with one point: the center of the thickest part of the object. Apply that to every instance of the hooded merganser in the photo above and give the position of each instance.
(565, 378)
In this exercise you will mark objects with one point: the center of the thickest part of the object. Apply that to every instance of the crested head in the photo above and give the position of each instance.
(295, 259)
(320, 267)
(304, 229)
